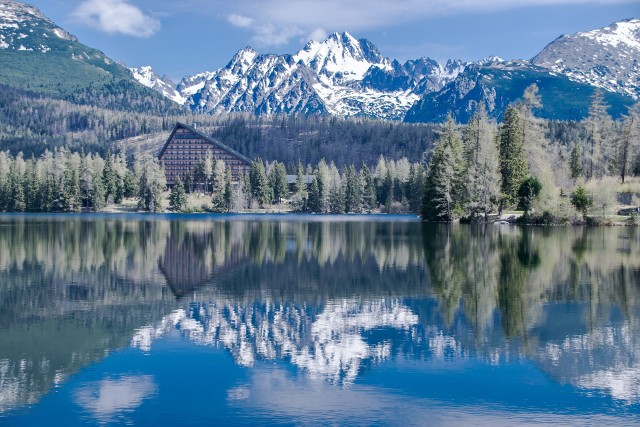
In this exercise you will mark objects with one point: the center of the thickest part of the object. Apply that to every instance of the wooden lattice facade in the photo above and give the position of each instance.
(187, 146)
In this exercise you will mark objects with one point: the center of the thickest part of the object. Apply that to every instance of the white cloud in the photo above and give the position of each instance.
(270, 34)
(275, 22)
(109, 398)
(318, 35)
(116, 17)
(240, 20)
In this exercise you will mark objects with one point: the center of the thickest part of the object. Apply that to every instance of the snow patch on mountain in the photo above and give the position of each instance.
(149, 78)
(23, 27)
(341, 58)
(607, 58)
(341, 75)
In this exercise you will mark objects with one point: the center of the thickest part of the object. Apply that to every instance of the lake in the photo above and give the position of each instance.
(201, 320)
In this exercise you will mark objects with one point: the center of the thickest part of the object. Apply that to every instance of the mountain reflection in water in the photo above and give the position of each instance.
(335, 300)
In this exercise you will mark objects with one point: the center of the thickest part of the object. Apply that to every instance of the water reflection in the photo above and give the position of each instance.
(108, 399)
(333, 299)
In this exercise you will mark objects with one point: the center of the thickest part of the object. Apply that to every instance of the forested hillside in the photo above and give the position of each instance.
(32, 123)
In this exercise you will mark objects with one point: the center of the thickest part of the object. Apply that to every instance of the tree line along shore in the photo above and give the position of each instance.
(476, 173)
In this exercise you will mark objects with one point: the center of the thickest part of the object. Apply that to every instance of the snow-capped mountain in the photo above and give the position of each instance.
(608, 58)
(24, 28)
(149, 78)
(345, 76)
(340, 75)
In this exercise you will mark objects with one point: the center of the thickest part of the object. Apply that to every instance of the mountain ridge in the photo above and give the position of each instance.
(347, 76)
(341, 75)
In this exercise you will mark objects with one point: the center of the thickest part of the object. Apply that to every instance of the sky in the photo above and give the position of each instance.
(184, 37)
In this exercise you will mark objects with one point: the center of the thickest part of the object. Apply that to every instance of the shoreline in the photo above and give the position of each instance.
(287, 215)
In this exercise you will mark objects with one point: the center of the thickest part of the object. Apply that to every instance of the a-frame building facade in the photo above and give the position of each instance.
(187, 146)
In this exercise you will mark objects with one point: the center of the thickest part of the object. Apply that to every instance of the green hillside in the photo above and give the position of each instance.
(40, 57)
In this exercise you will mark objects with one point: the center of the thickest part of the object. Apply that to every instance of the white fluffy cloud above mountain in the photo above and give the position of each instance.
(276, 22)
(116, 17)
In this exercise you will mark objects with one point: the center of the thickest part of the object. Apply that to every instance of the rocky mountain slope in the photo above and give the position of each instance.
(495, 84)
(162, 84)
(567, 72)
(608, 58)
(341, 75)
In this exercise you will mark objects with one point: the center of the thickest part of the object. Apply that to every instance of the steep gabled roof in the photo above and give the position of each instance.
(205, 137)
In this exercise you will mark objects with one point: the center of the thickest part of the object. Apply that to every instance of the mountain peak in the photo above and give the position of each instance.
(341, 58)
(23, 27)
(7, 6)
(343, 37)
(626, 32)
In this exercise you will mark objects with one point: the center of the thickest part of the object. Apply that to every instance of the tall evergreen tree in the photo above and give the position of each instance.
(177, 196)
(278, 181)
(109, 179)
(513, 165)
(18, 203)
(368, 188)
(300, 187)
(353, 196)
(482, 176)
(152, 182)
(628, 141)
(260, 188)
(415, 187)
(576, 160)
(314, 203)
(442, 184)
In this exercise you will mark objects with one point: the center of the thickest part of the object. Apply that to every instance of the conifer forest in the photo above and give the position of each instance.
(551, 171)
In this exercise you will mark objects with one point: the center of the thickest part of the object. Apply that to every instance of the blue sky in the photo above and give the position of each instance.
(184, 37)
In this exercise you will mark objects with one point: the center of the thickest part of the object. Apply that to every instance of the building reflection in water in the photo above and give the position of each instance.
(334, 299)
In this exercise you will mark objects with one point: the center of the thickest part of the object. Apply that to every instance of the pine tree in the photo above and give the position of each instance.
(513, 165)
(109, 180)
(576, 161)
(300, 184)
(368, 188)
(581, 200)
(152, 182)
(628, 141)
(482, 176)
(336, 191)
(260, 188)
(278, 181)
(16, 179)
(443, 181)
(529, 191)
(314, 203)
(353, 195)
(415, 187)
(227, 197)
(5, 166)
(31, 185)
(177, 197)
(200, 177)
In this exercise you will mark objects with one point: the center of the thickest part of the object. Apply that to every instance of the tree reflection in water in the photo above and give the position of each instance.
(333, 298)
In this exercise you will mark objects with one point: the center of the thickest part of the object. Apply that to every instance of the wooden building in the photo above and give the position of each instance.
(187, 146)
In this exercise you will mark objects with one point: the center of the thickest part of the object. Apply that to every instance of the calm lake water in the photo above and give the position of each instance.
(203, 320)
